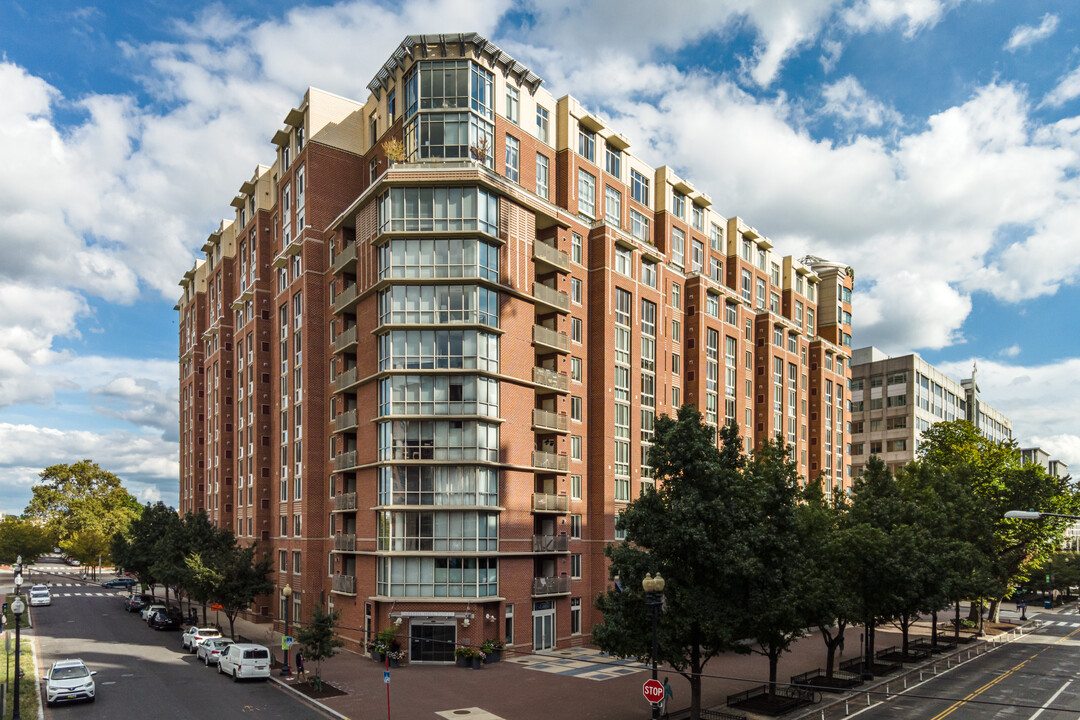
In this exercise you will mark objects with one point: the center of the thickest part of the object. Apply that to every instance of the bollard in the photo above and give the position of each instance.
(822, 715)
(920, 676)
(847, 707)
(867, 699)
(905, 682)
(886, 689)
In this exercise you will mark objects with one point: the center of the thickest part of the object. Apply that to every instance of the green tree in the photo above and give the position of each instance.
(135, 549)
(692, 530)
(243, 578)
(318, 639)
(81, 497)
(19, 536)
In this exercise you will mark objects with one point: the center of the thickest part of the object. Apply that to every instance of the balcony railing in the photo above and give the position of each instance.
(551, 338)
(346, 584)
(550, 378)
(550, 543)
(346, 299)
(345, 259)
(552, 256)
(551, 297)
(547, 420)
(345, 461)
(346, 380)
(345, 542)
(345, 501)
(550, 461)
(543, 502)
(550, 586)
(345, 421)
(346, 339)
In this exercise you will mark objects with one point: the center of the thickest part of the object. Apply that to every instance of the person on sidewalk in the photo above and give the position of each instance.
(667, 698)
(300, 674)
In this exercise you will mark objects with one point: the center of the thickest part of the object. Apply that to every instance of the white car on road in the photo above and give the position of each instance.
(69, 680)
(245, 660)
(40, 595)
(195, 635)
(209, 650)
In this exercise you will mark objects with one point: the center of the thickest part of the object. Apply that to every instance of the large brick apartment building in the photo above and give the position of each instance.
(426, 382)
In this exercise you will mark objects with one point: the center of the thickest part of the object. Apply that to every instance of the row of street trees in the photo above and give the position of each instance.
(192, 558)
(752, 558)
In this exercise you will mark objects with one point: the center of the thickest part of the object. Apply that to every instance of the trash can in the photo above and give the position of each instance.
(1046, 603)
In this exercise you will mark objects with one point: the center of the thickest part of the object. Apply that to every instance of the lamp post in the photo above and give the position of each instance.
(17, 608)
(286, 591)
(654, 603)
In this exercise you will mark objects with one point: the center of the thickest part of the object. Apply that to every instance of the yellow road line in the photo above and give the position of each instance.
(960, 703)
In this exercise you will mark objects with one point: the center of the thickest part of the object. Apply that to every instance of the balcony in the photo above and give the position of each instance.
(553, 257)
(346, 340)
(346, 380)
(550, 461)
(346, 461)
(345, 542)
(550, 503)
(551, 338)
(547, 420)
(551, 379)
(549, 296)
(344, 502)
(345, 421)
(346, 584)
(290, 250)
(346, 299)
(345, 260)
(548, 586)
(550, 544)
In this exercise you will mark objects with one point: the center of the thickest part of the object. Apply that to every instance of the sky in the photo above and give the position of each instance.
(933, 145)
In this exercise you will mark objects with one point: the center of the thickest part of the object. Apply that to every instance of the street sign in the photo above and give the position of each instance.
(386, 676)
(215, 606)
(653, 690)
(286, 642)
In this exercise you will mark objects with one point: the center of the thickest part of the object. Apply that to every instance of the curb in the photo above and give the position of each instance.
(285, 687)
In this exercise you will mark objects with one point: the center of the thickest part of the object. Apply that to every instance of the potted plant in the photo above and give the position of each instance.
(478, 658)
(463, 655)
(377, 650)
(395, 654)
(493, 650)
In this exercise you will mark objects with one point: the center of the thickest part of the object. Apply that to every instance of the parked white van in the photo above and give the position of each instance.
(245, 660)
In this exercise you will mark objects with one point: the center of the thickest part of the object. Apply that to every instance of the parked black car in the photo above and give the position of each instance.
(135, 603)
(167, 620)
(124, 582)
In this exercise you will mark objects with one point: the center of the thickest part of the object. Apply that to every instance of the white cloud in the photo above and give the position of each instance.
(1010, 352)
(1024, 35)
(1068, 88)
(848, 100)
(1062, 447)
(914, 15)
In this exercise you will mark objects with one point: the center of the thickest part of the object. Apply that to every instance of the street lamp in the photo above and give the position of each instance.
(1035, 515)
(654, 603)
(286, 591)
(17, 608)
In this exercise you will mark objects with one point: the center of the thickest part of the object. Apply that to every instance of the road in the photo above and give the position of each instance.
(139, 670)
(1037, 676)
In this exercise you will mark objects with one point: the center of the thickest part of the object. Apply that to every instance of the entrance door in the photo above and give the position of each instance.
(432, 643)
(544, 626)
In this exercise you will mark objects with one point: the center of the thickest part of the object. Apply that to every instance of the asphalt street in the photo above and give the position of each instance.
(140, 671)
(1037, 676)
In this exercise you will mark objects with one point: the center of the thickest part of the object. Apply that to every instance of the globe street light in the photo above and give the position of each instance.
(654, 603)
(286, 591)
(17, 608)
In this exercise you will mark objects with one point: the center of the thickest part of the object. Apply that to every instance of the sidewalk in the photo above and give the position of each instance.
(511, 690)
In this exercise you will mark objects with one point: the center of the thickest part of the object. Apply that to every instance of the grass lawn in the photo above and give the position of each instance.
(29, 687)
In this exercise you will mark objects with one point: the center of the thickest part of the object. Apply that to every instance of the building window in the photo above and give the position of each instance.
(639, 226)
(678, 247)
(575, 487)
(513, 156)
(586, 194)
(542, 124)
(716, 236)
(676, 331)
(678, 204)
(699, 218)
(513, 99)
(716, 270)
(283, 561)
(613, 160)
(575, 447)
(575, 329)
(697, 259)
(623, 261)
(575, 248)
(676, 296)
(575, 566)
(587, 144)
(296, 562)
(622, 488)
(612, 205)
(648, 273)
(575, 408)
(575, 290)
(639, 187)
(297, 525)
(575, 616)
(542, 175)
(391, 109)
(747, 286)
(575, 369)
(575, 527)
(373, 170)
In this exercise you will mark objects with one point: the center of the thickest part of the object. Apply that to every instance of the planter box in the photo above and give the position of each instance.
(493, 657)
(477, 663)
(463, 662)
(377, 657)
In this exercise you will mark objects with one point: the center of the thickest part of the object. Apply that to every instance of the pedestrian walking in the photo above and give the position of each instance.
(300, 666)
(667, 698)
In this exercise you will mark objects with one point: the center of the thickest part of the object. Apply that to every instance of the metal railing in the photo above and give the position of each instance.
(346, 299)
(345, 461)
(552, 256)
(551, 378)
(552, 297)
(550, 461)
(345, 258)
(550, 543)
(346, 380)
(345, 584)
(550, 586)
(543, 502)
(551, 338)
(345, 421)
(549, 420)
(345, 501)
(345, 339)
(345, 542)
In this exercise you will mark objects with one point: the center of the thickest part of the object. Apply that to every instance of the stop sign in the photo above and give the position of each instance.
(653, 691)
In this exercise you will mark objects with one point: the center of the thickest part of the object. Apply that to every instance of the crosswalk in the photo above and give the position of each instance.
(1059, 623)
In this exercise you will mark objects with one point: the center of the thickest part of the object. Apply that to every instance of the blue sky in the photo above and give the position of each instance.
(934, 145)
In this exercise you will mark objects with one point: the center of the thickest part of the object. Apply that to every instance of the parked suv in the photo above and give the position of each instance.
(69, 680)
(245, 660)
(40, 595)
(170, 619)
(136, 603)
(194, 636)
